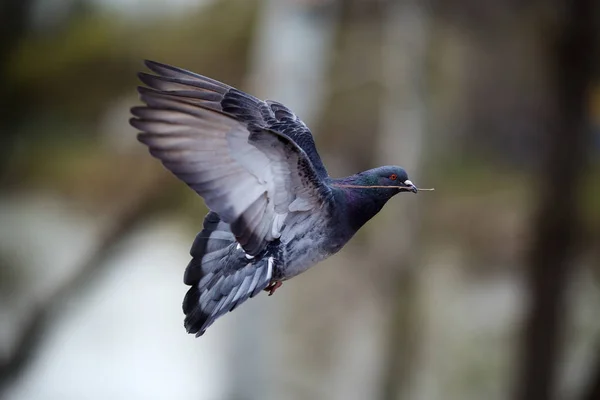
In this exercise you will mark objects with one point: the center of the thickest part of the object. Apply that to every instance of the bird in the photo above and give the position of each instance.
(274, 211)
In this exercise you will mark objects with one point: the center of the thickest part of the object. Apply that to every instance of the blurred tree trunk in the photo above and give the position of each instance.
(289, 64)
(592, 391)
(15, 20)
(292, 53)
(330, 309)
(405, 45)
(557, 222)
(356, 86)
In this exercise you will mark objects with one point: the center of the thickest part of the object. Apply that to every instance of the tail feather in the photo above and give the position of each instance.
(213, 240)
(220, 276)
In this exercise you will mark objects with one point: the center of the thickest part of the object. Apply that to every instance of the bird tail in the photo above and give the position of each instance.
(220, 275)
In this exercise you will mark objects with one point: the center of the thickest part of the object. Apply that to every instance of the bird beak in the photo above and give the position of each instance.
(410, 186)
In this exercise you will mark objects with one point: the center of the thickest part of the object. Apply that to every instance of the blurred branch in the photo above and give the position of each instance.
(134, 211)
(558, 222)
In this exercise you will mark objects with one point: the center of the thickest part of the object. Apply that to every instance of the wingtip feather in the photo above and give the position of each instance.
(166, 70)
(150, 63)
(146, 78)
(134, 122)
(158, 67)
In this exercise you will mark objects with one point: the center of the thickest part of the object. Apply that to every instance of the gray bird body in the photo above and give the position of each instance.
(275, 212)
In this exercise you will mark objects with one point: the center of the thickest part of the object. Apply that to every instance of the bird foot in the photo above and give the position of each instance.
(273, 286)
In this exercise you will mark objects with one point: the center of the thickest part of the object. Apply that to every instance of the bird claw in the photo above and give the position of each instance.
(273, 286)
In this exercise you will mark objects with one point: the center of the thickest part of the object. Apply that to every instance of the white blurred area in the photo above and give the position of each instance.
(122, 336)
(133, 8)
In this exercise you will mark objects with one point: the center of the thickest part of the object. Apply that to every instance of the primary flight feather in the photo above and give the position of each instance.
(274, 210)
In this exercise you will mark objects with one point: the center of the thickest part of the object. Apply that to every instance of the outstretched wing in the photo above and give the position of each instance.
(251, 176)
(247, 109)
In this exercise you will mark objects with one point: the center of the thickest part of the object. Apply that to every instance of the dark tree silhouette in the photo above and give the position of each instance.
(14, 15)
(557, 222)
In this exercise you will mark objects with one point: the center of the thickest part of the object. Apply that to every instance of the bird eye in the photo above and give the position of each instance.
(393, 177)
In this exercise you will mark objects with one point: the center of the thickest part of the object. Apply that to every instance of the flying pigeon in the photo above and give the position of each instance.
(274, 210)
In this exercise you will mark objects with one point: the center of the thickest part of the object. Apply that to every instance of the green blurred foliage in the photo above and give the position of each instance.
(69, 77)
(80, 67)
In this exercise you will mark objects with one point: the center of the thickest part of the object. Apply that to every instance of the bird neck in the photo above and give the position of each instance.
(360, 204)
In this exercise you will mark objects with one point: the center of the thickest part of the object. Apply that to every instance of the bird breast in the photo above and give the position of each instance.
(306, 242)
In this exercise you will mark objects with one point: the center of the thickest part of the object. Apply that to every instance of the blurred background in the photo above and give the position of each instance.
(487, 288)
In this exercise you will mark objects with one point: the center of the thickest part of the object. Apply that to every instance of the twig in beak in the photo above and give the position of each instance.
(381, 187)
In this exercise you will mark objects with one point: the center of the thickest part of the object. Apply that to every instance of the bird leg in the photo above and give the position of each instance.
(273, 286)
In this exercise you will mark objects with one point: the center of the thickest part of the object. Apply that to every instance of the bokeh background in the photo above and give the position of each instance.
(487, 288)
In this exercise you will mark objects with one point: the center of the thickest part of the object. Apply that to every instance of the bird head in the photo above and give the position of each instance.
(394, 177)
(380, 183)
